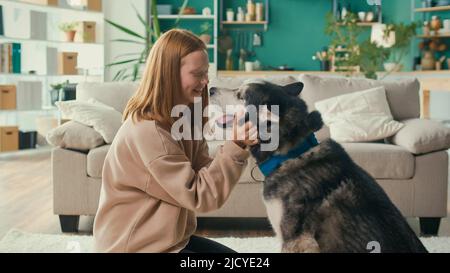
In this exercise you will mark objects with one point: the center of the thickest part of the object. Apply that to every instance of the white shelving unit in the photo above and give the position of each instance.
(91, 56)
(213, 17)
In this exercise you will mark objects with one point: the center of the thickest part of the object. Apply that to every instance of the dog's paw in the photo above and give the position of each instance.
(315, 121)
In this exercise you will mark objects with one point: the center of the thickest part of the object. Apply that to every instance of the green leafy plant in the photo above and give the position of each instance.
(369, 56)
(205, 28)
(132, 62)
(403, 36)
(68, 26)
(345, 34)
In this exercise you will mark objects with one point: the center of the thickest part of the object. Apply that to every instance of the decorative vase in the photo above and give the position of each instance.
(428, 61)
(70, 35)
(325, 65)
(435, 24)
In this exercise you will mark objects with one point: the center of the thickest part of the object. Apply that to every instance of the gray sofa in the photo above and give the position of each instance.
(412, 172)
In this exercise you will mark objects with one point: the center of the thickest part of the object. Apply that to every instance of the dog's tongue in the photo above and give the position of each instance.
(225, 121)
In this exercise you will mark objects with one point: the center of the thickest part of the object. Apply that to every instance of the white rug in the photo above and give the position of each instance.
(17, 241)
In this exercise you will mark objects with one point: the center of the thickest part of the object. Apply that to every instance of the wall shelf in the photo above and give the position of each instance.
(186, 17)
(44, 8)
(432, 9)
(441, 36)
(13, 39)
(244, 24)
(363, 24)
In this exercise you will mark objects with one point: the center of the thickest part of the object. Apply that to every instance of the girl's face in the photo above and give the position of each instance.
(194, 76)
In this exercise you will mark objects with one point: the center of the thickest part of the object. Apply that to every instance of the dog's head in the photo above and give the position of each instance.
(277, 107)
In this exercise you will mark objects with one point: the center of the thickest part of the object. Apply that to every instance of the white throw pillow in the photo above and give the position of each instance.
(74, 135)
(104, 119)
(359, 116)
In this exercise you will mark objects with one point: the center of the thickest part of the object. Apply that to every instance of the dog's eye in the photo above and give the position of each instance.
(212, 91)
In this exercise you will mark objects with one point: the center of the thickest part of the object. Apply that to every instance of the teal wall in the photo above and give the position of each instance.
(296, 29)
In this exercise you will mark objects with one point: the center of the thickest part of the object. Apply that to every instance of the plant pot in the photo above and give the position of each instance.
(325, 65)
(428, 61)
(54, 96)
(205, 38)
(70, 35)
(392, 67)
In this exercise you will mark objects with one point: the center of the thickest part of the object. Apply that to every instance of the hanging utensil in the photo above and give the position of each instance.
(257, 40)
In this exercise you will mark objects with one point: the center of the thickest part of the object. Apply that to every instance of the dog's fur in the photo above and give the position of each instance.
(322, 201)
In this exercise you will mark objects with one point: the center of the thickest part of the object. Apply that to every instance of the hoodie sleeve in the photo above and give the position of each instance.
(201, 191)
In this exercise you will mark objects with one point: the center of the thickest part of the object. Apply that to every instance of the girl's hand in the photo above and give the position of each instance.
(245, 134)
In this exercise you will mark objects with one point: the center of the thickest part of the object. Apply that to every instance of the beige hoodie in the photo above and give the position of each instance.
(152, 186)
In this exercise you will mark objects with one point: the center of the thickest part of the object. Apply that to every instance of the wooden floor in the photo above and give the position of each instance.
(26, 202)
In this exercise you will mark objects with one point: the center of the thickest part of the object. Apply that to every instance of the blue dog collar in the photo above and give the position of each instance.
(274, 162)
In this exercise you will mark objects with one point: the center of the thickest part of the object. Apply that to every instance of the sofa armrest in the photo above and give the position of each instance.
(421, 136)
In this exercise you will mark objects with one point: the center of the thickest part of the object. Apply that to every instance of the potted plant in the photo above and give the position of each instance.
(403, 36)
(55, 92)
(324, 58)
(204, 33)
(70, 29)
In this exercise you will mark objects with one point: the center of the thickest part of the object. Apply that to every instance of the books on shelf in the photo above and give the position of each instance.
(10, 58)
(2, 28)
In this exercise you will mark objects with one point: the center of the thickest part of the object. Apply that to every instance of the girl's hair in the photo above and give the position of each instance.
(161, 80)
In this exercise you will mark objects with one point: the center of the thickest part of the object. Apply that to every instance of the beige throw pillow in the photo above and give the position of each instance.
(359, 116)
(74, 135)
(104, 119)
(421, 136)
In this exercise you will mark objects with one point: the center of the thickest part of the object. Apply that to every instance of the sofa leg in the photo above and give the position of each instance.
(69, 223)
(429, 226)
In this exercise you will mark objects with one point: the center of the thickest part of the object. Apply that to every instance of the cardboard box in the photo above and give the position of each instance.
(8, 97)
(9, 139)
(87, 30)
(43, 2)
(93, 5)
(67, 63)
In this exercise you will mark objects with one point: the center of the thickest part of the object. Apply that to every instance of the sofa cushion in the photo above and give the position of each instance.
(402, 95)
(103, 118)
(74, 135)
(420, 136)
(95, 159)
(359, 117)
(115, 94)
(236, 82)
(382, 161)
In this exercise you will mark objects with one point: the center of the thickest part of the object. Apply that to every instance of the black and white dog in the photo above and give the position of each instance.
(317, 198)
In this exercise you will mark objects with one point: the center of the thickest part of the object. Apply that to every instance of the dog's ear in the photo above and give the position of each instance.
(314, 120)
(293, 89)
